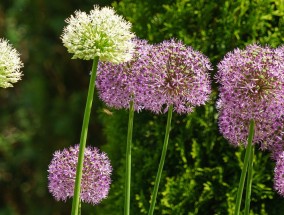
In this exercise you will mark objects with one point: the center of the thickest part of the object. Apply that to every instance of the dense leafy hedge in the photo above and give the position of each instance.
(43, 112)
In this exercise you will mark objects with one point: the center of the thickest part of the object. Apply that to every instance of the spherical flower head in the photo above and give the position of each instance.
(252, 80)
(267, 131)
(279, 174)
(118, 84)
(179, 77)
(95, 179)
(100, 33)
(10, 65)
(251, 87)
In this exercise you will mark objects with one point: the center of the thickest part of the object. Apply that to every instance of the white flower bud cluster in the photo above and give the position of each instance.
(101, 33)
(10, 64)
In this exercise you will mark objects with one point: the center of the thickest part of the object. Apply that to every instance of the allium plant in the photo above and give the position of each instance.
(234, 127)
(95, 180)
(179, 81)
(10, 64)
(125, 85)
(179, 77)
(103, 35)
(251, 102)
(251, 87)
(118, 84)
(278, 174)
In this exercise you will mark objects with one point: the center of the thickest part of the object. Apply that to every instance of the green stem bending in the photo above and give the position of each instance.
(128, 160)
(244, 170)
(83, 138)
(162, 161)
(249, 182)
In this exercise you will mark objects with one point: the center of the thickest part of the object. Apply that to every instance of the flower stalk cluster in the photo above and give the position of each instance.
(100, 35)
(163, 77)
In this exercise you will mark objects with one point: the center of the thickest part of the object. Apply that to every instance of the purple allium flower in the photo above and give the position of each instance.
(95, 179)
(10, 64)
(251, 87)
(252, 79)
(235, 128)
(118, 84)
(179, 77)
(279, 174)
(156, 77)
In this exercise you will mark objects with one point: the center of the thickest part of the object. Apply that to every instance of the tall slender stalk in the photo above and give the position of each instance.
(244, 170)
(162, 161)
(249, 182)
(79, 209)
(83, 138)
(128, 160)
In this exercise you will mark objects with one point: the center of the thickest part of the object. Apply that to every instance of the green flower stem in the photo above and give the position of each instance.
(128, 160)
(244, 170)
(162, 161)
(79, 210)
(249, 182)
(83, 138)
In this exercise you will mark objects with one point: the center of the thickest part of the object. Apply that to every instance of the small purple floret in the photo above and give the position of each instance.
(251, 87)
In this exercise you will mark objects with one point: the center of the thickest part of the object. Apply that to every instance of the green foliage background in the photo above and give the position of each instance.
(43, 112)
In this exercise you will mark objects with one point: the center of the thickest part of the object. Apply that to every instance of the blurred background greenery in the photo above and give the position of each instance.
(43, 112)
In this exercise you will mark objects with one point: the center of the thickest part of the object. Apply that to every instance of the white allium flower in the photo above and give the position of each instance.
(10, 64)
(100, 33)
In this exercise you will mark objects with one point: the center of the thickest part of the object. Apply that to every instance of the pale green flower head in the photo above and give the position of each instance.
(10, 64)
(100, 33)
